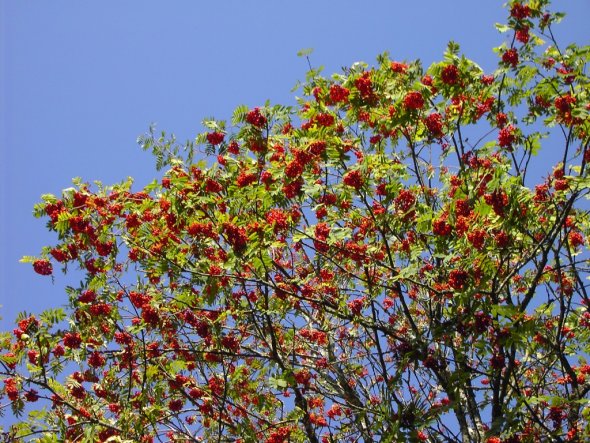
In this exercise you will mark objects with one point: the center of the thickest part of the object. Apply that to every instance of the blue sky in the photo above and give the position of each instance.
(79, 81)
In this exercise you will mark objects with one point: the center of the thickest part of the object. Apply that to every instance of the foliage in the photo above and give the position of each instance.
(381, 262)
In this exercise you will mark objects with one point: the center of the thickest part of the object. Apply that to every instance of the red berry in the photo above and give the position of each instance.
(43, 267)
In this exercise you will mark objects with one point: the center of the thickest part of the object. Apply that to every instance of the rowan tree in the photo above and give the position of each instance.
(388, 260)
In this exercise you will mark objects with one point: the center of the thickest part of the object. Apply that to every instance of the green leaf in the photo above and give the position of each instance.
(277, 383)
(506, 311)
(239, 115)
(28, 259)
(53, 316)
(304, 52)
(502, 28)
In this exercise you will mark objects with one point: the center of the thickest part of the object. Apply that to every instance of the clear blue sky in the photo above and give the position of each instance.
(79, 81)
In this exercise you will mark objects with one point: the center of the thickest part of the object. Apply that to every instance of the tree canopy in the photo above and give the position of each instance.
(384, 261)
